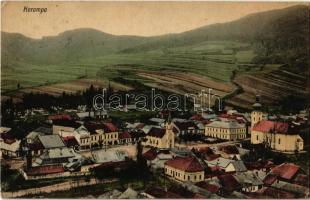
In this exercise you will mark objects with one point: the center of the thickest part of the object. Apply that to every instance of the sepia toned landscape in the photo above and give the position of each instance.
(155, 100)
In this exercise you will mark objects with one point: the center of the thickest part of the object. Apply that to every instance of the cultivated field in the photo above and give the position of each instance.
(272, 83)
(180, 70)
(69, 87)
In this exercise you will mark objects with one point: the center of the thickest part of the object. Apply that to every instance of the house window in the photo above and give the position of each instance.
(279, 141)
(188, 178)
(256, 137)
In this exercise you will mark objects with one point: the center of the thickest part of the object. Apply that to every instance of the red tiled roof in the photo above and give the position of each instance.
(228, 182)
(60, 117)
(47, 169)
(157, 132)
(124, 135)
(267, 126)
(197, 117)
(66, 123)
(188, 164)
(110, 127)
(211, 188)
(215, 168)
(259, 165)
(150, 154)
(70, 141)
(276, 193)
(286, 170)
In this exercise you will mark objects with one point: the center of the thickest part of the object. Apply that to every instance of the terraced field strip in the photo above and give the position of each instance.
(182, 83)
(271, 83)
(71, 87)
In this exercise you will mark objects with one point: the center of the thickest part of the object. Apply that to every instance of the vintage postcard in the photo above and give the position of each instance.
(155, 99)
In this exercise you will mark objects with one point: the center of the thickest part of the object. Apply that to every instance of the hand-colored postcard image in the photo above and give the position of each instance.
(155, 99)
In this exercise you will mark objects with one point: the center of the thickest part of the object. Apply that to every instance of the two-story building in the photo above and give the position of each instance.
(226, 130)
(185, 169)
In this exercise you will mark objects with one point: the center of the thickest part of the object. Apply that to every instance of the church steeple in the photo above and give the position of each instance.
(257, 105)
(169, 118)
(257, 114)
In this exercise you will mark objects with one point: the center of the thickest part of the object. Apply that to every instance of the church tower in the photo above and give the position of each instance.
(256, 114)
(169, 133)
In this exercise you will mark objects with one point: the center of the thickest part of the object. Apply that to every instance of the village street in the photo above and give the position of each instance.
(202, 145)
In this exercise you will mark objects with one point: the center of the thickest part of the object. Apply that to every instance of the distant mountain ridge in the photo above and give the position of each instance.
(287, 27)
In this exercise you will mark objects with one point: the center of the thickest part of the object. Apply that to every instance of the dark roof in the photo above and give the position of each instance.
(230, 149)
(229, 182)
(188, 164)
(124, 135)
(276, 193)
(47, 169)
(106, 127)
(150, 154)
(7, 137)
(285, 170)
(259, 165)
(270, 179)
(66, 123)
(119, 164)
(36, 145)
(185, 125)
(302, 179)
(45, 130)
(70, 141)
(92, 127)
(157, 132)
(185, 193)
(161, 193)
(211, 188)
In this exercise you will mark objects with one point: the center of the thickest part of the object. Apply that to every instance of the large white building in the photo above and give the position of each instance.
(226, 129)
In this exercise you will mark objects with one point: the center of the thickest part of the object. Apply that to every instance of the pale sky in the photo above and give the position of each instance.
(124, 18)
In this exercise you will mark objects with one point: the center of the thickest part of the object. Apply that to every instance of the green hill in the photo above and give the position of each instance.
(216, 51)
(68, 46)
(284, 27)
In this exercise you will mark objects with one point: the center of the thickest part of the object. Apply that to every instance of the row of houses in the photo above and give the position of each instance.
(227, 176)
